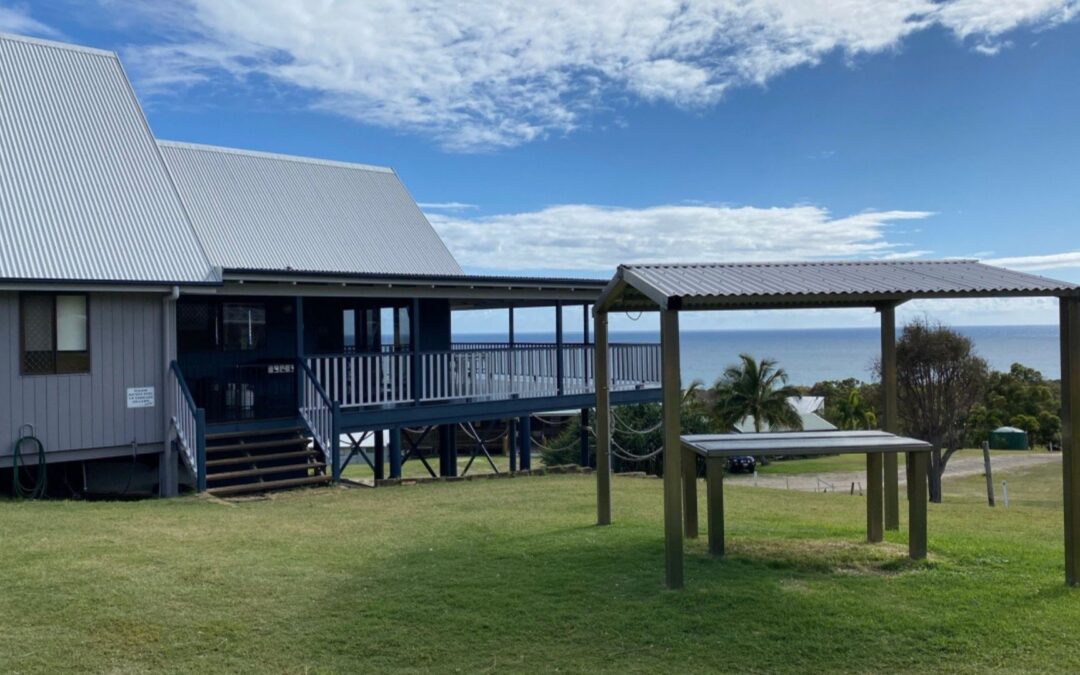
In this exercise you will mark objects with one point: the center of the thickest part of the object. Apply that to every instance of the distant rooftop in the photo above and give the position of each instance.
(701, 286)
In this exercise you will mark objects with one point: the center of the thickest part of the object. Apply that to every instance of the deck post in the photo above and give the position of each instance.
(380, 455)
(603, 423)
(1070, 434)
(448, 450)
(200, 449)
(583, 458)
(335, 442)
(525, 442)
(511, 444)
(395, 453)
(559, 365)
(414, 349)
(299, 317)
(672, 398)
(892, 417)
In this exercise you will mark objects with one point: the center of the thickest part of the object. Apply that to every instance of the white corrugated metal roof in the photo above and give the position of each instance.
(731, 285)
(262, 211)
(84, 192)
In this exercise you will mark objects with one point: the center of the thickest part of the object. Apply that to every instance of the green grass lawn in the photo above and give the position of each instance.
(513, 575)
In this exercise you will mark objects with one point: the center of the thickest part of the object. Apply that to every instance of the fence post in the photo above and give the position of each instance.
(989, 478)
(200, 449)
(558, 347)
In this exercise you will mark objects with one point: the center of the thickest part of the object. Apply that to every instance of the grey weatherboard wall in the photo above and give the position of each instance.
(76, 412)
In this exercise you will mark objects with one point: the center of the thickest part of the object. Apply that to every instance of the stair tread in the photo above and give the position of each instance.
(260, 458)
(268, 485)
(257, 445)
(244, 473)
(253, 432)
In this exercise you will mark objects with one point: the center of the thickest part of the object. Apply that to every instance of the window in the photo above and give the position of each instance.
(348, 318)
(244, 325)
(55, 334)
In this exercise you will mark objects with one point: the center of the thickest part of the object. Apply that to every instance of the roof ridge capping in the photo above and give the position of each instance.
(260, 154)
(810, 263)
(56, 44)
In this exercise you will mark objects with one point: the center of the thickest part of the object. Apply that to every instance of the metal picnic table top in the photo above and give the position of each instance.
(801, 443)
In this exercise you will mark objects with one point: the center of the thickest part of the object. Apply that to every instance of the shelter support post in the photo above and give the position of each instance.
(917, 505)
(690, 515)
(714, 500)
(672, 397)
(874, 516)
(1070, 434)
(395, 453)
(891, 423)
(603, 423)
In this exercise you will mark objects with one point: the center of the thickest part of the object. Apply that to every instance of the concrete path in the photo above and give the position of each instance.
(958, 466)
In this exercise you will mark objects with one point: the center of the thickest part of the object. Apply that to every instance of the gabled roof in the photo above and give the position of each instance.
(703, 286)
(84, 192)
(261, 211)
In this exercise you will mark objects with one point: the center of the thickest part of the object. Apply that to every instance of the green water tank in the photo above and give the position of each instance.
(1008, 438)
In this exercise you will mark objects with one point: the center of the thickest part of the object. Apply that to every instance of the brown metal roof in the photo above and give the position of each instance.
(702, 286)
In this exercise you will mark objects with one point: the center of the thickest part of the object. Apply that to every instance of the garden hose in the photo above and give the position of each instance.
(18, 488)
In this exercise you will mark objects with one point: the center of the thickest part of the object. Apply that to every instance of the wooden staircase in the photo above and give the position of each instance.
(243, 462)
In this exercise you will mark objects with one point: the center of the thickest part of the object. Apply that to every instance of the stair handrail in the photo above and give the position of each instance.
(322, 417)
(189, 422)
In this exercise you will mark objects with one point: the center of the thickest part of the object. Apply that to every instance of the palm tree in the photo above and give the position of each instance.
(758, 390)
(852, 414)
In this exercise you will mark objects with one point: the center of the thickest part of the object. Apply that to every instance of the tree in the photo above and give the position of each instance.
(758, 390)
(852, 414)
(939, 381)
(1021, 394)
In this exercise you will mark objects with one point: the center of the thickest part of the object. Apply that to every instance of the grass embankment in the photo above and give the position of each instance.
(512, 574)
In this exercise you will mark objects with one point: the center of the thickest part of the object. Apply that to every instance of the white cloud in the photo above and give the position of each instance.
(480, 75)
(17, 19)
(1033, 263)
(446, 206)
(589, 237)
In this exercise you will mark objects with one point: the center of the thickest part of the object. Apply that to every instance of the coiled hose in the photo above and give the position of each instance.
(18, 488)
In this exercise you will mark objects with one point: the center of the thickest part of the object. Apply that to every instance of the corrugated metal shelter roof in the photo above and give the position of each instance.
(84, 192)
(702, 286)
(261, 211)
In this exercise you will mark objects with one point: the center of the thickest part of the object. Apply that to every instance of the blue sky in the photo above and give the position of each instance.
(563, 138)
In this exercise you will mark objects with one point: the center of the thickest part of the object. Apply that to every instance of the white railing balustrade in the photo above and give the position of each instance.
(481, 372)
(317, 409)
(189, 423)
(365, 379)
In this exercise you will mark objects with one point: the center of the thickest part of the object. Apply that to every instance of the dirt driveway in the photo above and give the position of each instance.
(842, 481)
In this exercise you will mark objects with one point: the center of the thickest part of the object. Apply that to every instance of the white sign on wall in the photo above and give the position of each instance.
(140, 397)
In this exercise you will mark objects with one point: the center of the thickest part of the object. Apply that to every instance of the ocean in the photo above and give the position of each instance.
(811, 355)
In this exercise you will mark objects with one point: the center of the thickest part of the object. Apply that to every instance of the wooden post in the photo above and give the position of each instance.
(917, 506)
(395, 453)
(525, 442)
(1070, 434)
(892, 417)
(714, 503)
(603, 423)
(560, 372)
(690, 516)
(583, 442)
(511, 444)
(874, 519)
(380, 455)
(414, 350)
(989, 477)
(299, 312)
(672, 397)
